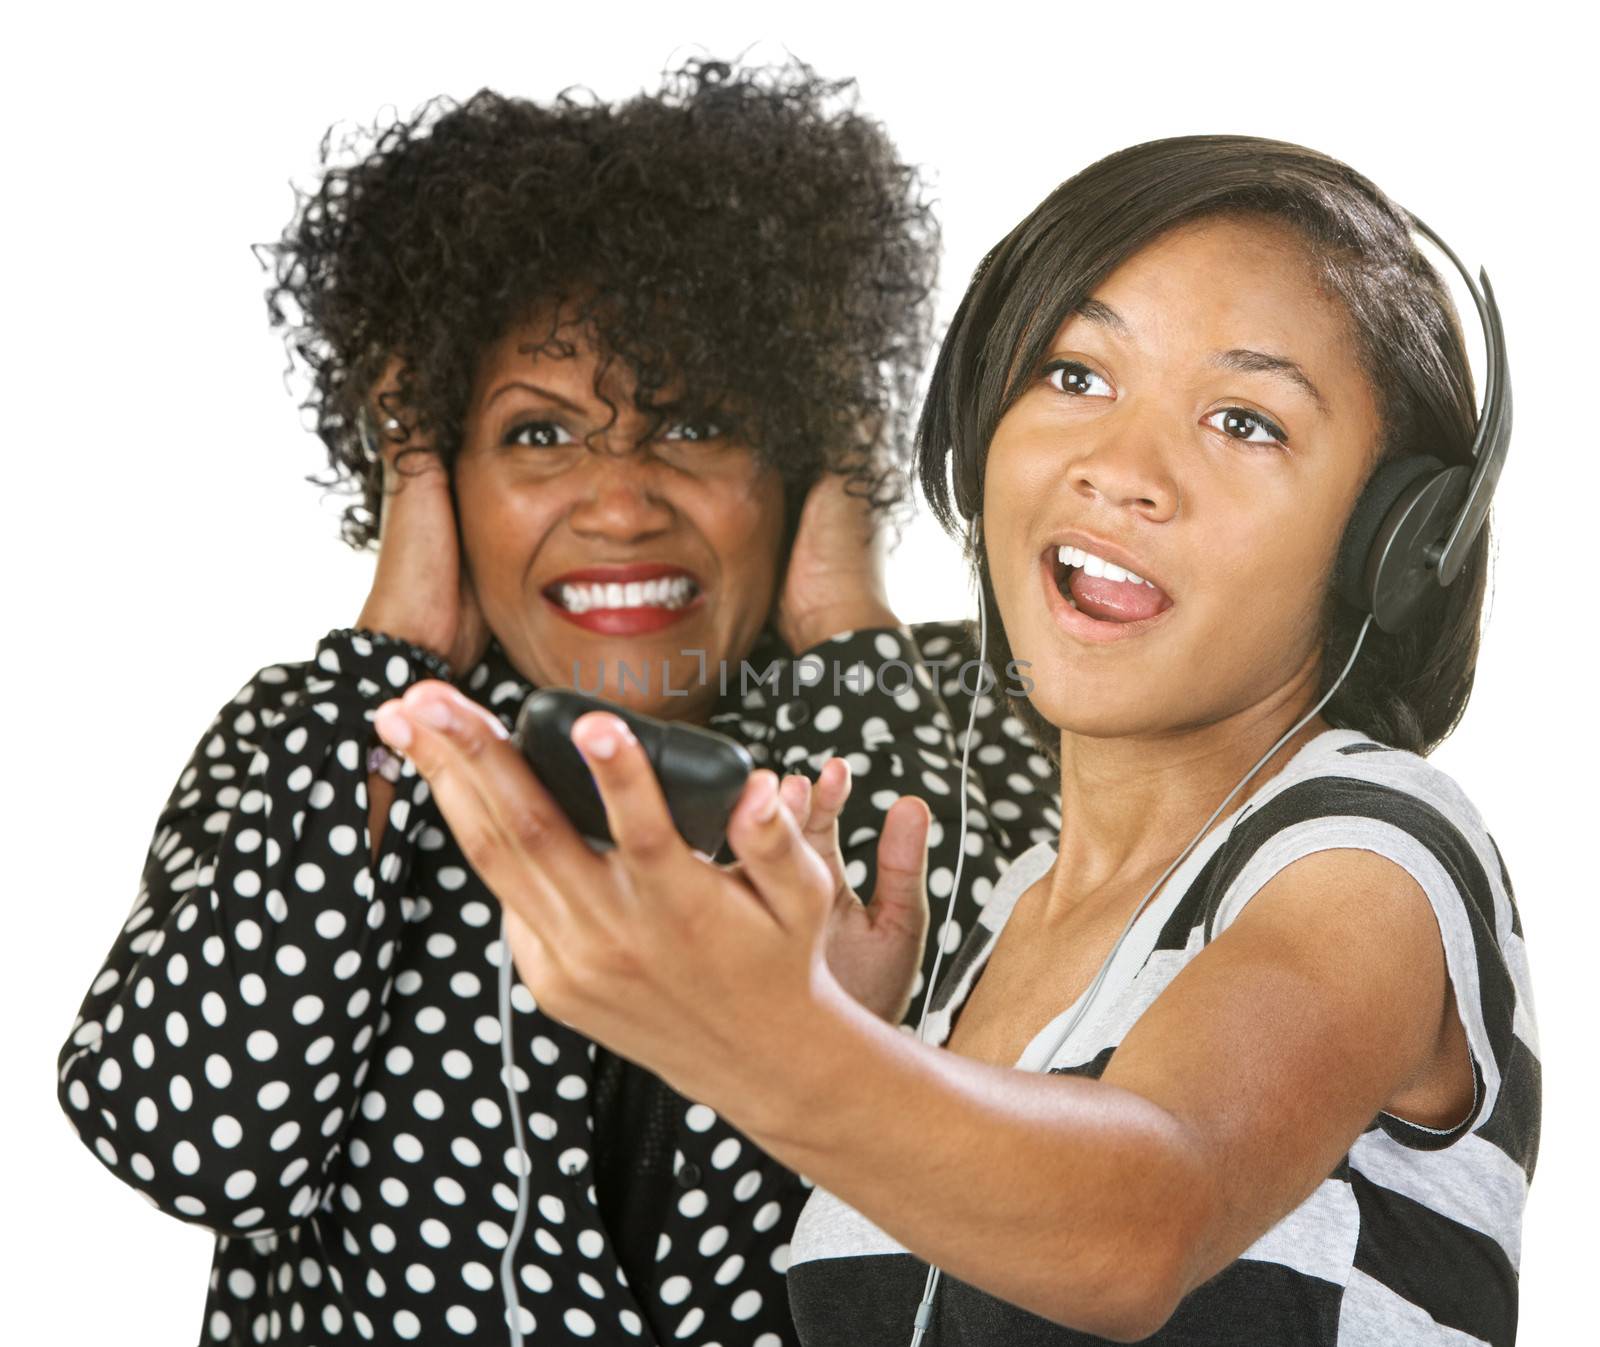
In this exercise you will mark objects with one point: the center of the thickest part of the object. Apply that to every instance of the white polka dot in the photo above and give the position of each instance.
(185, 1158)
(461, 1319)
(700, 1118)
(227, 1131)
(406, 1324)
(579, 1323)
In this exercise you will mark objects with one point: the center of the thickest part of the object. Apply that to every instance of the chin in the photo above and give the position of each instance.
(1072, 716)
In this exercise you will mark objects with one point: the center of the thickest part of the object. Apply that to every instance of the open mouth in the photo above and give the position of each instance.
(625, 600)
(1101, 590)
(583, 596)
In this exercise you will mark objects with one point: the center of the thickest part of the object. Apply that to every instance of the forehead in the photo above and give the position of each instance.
(557, 348)
(1223, 276)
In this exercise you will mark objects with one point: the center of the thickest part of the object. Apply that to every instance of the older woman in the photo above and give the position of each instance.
(620, 387)
(1272, 1079)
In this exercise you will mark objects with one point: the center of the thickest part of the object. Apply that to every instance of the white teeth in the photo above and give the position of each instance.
(665, 592)
(1090, 564)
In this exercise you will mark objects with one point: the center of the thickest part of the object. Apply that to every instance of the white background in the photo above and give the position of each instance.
(162, 544)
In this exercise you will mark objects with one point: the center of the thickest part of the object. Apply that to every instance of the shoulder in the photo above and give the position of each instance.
(1409, 855)
(1345, 791)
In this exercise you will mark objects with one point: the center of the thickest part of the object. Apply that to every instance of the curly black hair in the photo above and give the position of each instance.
(743, 234)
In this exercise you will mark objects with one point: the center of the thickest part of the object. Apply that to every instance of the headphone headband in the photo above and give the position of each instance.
(1493, 438)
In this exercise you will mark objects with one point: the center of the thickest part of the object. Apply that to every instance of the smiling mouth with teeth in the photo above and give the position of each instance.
(1103, 590)
(668, 592)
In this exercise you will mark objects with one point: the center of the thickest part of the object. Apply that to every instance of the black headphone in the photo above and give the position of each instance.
(1411, 526)
(1415, 519)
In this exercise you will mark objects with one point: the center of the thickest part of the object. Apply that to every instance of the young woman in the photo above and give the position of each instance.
(1300, 1103)
(621, 388)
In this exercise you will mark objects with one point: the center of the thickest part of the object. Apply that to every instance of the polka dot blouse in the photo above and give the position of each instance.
(299, 1048)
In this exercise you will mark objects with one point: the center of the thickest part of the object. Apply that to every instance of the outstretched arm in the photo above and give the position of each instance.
(1096, 1203)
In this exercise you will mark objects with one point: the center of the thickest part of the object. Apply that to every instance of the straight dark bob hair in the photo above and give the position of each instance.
(1407, 690)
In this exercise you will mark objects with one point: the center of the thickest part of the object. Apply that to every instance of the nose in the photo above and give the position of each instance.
(1125, 468)
(619, 500)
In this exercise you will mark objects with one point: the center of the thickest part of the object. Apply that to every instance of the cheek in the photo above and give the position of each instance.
(742, 520)
(498, 511)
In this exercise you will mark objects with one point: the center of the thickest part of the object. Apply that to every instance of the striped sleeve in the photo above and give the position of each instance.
(1426, 826)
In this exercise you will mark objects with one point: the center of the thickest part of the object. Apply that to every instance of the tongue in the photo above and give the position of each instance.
(1114, 600)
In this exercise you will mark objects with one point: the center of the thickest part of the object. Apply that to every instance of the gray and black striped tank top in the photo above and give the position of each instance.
(1414, 1237)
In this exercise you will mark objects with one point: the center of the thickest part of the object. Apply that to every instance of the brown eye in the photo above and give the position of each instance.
(1242, 424)
(540, 435)
(1075, 377)
(693, 430)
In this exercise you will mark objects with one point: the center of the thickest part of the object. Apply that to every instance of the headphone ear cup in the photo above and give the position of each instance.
(1383, 490)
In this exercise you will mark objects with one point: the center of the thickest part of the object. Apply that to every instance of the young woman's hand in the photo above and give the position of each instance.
(421, 591)
(873, 948)
(693, 969)
(834, 581)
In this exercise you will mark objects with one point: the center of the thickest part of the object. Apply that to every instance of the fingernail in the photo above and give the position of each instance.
(766, 806)
(391, 725)
(434, 713)
(602, 737)
(600, 744)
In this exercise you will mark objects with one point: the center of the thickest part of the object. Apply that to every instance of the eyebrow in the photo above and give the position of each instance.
(1238, 358)
(532, 388)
